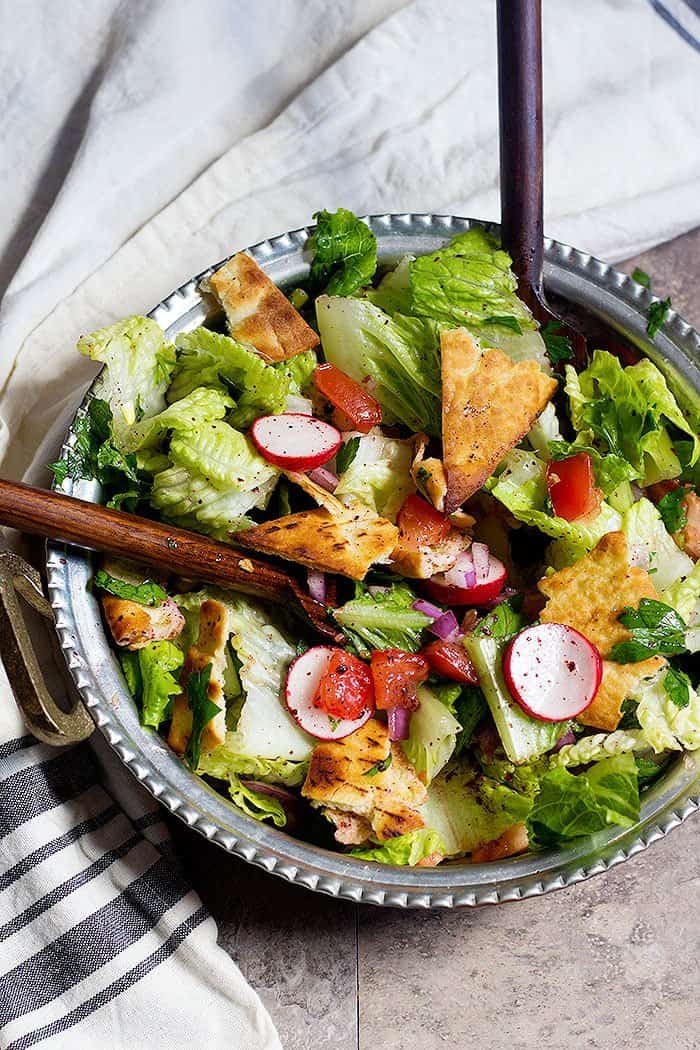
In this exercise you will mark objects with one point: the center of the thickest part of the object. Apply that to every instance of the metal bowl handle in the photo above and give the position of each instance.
(44, 718)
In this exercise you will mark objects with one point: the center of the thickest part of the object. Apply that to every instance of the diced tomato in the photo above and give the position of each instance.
(396, 676)
(345, 690)
(571, 486)
(420, 525)
(449, 660)
(356, 409)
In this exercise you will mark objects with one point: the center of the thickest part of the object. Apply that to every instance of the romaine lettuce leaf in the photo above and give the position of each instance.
(432, 735)
(139, 364)
(206, 358)
(297, 371)
(222, 455)
(382, 619)
(393, 293)
(407, 849)
(653, 547)
(224, 761)
(202, 405)
(600, 745)
(254, 804)
(684, 594)
(379, 474)
(190, 501)
(399, 355)
(159, 664)
(345, 253)
(665, 725)
(469, 282)
(570, 806)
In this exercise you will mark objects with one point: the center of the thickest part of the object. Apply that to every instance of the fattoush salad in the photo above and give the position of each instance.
(507, 541)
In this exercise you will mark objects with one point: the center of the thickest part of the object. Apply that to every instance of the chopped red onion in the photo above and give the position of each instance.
(462, 572)
(317, 585)
(481, 558)
(399, 719)
(302, 405)
(325, 478)
(446, 627)
(428, 609)
(568, 738)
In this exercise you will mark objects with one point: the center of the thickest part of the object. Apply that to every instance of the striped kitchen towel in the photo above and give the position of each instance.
(102, 942)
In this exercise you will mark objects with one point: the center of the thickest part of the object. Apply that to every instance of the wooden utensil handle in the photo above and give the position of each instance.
(520, 114)
(59, 517)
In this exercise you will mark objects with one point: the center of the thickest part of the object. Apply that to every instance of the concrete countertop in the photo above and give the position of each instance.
(613, 962)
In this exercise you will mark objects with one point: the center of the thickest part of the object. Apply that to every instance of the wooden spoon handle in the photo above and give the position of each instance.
(520, 116)
(59, 517)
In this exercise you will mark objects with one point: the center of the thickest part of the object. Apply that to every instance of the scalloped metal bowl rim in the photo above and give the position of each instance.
(454, 884)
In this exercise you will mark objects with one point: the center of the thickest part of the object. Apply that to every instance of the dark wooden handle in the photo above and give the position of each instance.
(520, 115)
(58, 517)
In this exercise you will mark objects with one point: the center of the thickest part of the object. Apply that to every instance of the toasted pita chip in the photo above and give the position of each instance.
(210, 648)
(347, 544)
(619, 681)
(134, 626)
(424, 562)
(322, 496)
(428, 474)
(589, 596)
(388, 800)
(489, 403)
(257, 311)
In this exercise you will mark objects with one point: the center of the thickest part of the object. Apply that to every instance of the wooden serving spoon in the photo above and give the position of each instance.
(521, 157)
(159, 546)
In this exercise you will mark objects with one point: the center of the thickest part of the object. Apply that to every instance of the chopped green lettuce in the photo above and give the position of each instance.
(666, 726)
(569, 806)
(344, 253)
(432, 735)
(469, 282)
(254, 804)
(222, 455)
(653, 547)
(151, 677)
(206, 358)
(545, 432)
(393, 293)
(201, 405)
(225, 760)
(469, 709)
(684, 594)
(406, 849)
(379, 473)
(382, 619)
(138, 363)
(297, 371)
(399, 355)
(600, 745)
(190, 501)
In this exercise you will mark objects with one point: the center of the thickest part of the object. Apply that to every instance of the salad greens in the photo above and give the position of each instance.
(416, 740)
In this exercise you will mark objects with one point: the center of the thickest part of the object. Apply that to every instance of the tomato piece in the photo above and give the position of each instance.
(420, 525)
(356, 409)
(346, 689)
(449, 660)
(396, 676)
(571, 486)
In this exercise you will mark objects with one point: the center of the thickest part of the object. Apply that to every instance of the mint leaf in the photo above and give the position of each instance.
(346, 454)
(657, 315)
(558, 346)
(345, 253)
(641, 277)
(469, 709)
(203, 710)
(92, 429)
(655, 628)
(379, 767)
(677, 685)
(672, 509)
(146, 593)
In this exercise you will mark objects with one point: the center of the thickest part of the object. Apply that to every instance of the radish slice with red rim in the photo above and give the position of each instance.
(295, 441)
(460, 584)
(552, 671)
(303, 681)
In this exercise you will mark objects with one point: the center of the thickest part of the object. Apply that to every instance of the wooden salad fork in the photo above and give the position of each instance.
(164, 547)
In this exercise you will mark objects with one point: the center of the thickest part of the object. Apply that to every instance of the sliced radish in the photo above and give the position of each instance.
(295, 441)
(303, 680)
(552, 671)
(455, 587)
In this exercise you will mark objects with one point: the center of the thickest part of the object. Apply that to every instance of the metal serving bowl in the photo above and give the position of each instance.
(604, 292)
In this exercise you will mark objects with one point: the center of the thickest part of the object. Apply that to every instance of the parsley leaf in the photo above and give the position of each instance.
(345, 253)
(558, 346)
(655, 628)
(346, 454)
(641, 277)
(672, 510)
(92, 430)
(379, 767)
(146, 593)
(677, 685)
(657, 315)
(505, 321)
(203, 710)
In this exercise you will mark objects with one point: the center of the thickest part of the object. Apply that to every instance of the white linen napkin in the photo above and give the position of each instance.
(307, 104)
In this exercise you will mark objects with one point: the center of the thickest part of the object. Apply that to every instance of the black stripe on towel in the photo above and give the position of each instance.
(18, 744)
(92, 943)
(122, 984)
(44, 786)
(673, 22)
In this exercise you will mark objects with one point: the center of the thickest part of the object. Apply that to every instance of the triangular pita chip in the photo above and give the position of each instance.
(489, 402)
(347, 544)
(258, 312)
(619, 681)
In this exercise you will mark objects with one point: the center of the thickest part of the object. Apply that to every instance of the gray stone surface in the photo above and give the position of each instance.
(613, 962)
